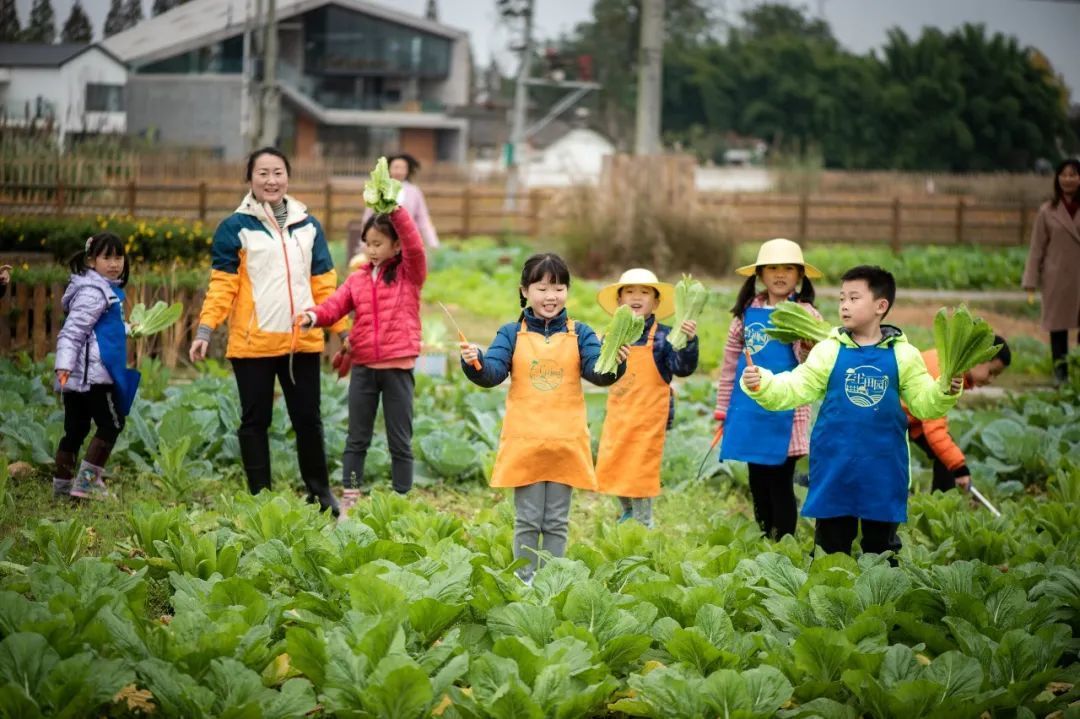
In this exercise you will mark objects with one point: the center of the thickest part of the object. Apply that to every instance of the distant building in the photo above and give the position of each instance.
(73, 89)
(562, 155)
(357, 79)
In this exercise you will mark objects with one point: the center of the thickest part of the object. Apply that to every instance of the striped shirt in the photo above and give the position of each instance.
(800, 429)
(281, 212)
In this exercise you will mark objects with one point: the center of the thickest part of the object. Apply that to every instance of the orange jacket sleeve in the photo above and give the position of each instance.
(322, 286)
(936, 431)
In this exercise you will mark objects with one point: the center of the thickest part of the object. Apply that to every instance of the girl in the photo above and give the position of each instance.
(641, 407)
(91, 365)
(384, 343)
(769, 442)
(544, 449)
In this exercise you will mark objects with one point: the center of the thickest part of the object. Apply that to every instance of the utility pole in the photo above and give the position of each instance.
(521, 103)
(650, 75)
(271, 101)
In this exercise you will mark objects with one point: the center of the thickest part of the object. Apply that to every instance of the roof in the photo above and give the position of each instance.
(31, 54)
(199, 23)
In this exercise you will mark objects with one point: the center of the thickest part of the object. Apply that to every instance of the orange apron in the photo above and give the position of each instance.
(632, 442)
(545, 435)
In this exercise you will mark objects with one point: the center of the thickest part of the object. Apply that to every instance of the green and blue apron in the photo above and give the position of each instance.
(112, 346)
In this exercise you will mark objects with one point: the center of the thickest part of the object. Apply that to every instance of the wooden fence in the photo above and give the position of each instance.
(466, 209)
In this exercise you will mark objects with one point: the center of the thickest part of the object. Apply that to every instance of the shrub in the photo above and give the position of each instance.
(155, 241)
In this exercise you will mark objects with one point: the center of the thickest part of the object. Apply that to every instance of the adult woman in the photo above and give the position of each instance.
(270, 260)
(1053, 263)
(403, 167)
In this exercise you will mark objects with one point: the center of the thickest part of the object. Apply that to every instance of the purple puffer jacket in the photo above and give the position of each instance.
(86, 299)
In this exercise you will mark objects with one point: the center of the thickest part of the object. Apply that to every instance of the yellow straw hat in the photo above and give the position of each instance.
(779, 252)
(609, 296)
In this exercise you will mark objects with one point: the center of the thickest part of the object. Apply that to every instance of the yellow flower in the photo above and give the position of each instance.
(168, 234)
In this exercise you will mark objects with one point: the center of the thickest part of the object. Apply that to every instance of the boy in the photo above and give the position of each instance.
(859, 463)
(932, 436)
(641, 406)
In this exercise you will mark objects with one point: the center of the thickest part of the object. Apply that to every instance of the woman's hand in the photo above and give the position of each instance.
(689, 328)
(197, 353)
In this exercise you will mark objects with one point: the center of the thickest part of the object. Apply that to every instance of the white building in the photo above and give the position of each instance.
(74, 89)
(574, 157)
(357, 79)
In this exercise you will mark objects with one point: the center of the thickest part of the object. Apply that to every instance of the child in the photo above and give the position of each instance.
(91, 365)
(544, 449)
(932, 436)
(859, 463)
(769, 442)
(641, 406)
(384, 342)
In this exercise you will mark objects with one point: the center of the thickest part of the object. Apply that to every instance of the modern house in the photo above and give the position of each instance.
(72, 89)
(356, 78)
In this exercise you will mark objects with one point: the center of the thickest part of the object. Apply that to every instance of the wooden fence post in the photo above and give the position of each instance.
(39, 339)
(959, 220)
(1023, 222)
(202, 201)
(328, 201)
(59, 197)
(804, 212)
(466, 211)
(132, 193)
(896, 226)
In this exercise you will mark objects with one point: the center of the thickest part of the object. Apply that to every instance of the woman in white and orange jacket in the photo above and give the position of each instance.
(270, 260)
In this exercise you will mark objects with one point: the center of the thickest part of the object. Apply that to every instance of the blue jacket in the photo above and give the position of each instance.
(496, 362)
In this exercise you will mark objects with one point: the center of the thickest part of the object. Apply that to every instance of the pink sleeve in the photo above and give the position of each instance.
(732, 350)
(423, 220)
(413, 259)
(336, 305)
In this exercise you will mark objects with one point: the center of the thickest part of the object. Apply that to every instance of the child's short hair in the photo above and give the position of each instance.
(880, 281)
(1004, 354)
(108, 244)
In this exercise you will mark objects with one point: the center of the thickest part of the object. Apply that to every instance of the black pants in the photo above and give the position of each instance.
(836, 534)
(396, 387)
(96, 405)
(1059, 352)
(255, 383)
(944, 480)
(772, 488)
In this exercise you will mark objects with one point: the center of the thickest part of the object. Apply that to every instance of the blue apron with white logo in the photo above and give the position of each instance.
(859, 449)
(112, 345)
(752, 433)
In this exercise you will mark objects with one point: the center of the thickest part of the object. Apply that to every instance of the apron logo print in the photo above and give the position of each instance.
(625, 384)
(754, 337)
(545, 374)
(865, 386)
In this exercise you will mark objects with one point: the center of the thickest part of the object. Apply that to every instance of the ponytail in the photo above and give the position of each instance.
(745, 297)
(806, 291)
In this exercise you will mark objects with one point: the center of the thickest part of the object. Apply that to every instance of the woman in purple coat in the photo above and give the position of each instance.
(91, 366)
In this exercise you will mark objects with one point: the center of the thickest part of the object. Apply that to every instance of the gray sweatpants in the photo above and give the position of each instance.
(640, 508)
(542, 509)
(395, 386)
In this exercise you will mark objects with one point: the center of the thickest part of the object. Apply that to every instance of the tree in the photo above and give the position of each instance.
(116, 20)
(77, 28)
(10, 30)
(42, 26)
(133, 13)
(432, 11)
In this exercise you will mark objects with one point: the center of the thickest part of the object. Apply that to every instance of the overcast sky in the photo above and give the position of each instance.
(1052, 26)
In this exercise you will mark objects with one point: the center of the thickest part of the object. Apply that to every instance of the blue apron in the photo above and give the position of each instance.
(112, 345)
(752, 433)
(859, 449)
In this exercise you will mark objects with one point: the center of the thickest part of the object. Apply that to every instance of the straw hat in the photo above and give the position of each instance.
(779, 252)
(609, 296)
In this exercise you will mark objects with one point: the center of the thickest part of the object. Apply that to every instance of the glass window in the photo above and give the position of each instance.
(104, 98)
(224, 58)
(340, 41)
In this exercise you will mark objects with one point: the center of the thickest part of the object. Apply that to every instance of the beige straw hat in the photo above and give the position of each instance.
(609, 296)
(779, 252)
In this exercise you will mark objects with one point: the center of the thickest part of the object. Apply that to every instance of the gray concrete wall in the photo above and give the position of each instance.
(190, 110)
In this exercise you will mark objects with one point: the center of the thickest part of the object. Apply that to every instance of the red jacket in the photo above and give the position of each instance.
(387, 319)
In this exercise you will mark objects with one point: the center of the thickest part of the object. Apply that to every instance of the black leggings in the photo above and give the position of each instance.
(835, 534)
(773, 491)
(1059, 351)
(96, 405)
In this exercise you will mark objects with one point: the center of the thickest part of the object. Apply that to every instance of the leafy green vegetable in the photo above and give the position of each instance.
(381, 191)
(690, 298)
(791, 322)
(624, 328)
(145, 322)
(962, 341)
